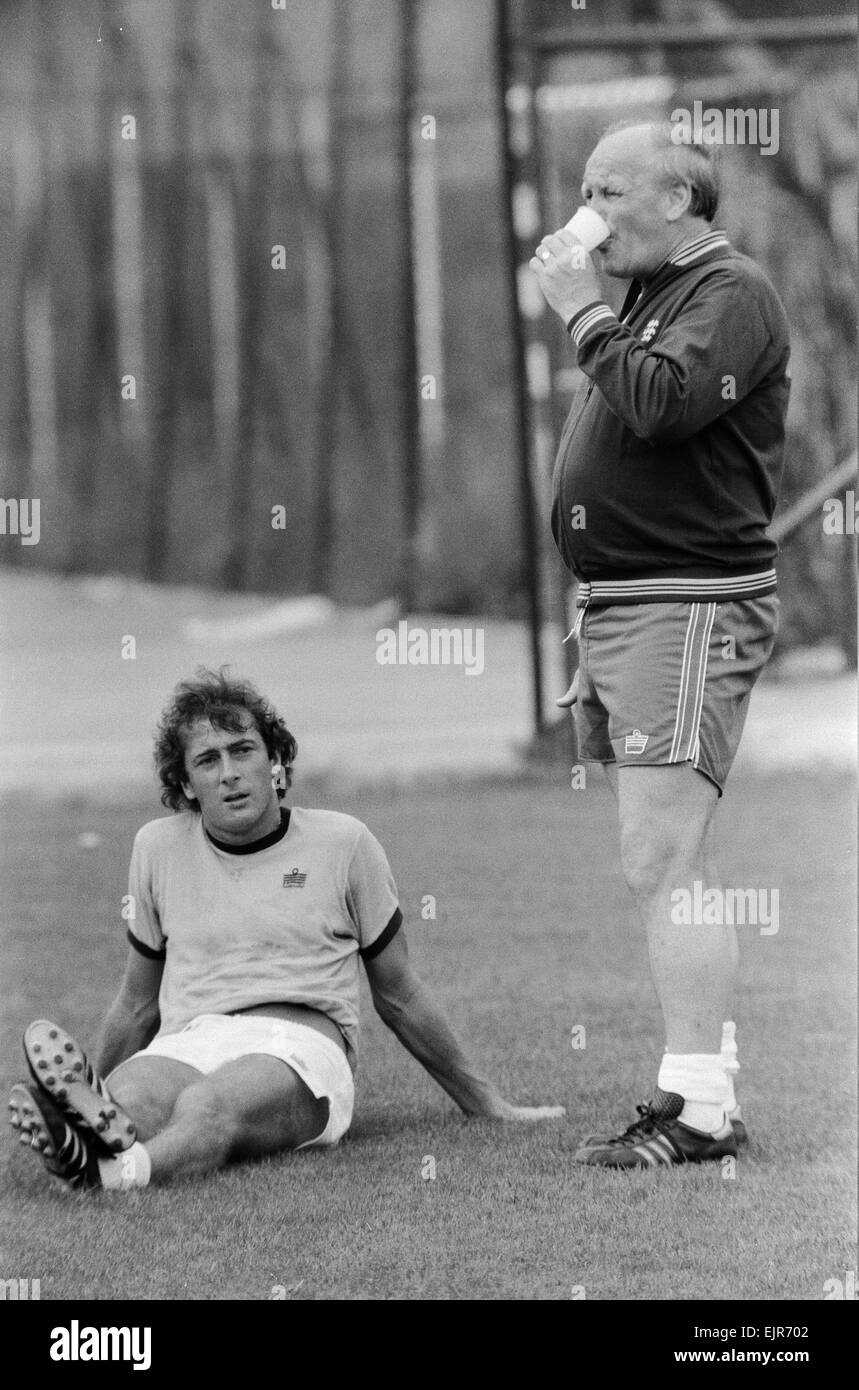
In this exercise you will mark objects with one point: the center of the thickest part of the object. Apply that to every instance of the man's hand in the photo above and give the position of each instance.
(572, 695)
(503, 1110)
(566, 273)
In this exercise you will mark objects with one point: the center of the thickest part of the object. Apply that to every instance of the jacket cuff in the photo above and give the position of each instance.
(580, 325)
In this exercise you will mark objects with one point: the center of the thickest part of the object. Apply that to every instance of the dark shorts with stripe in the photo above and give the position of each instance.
(663, 683)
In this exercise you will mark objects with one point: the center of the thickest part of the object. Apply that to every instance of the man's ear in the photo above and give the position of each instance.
(678, 198)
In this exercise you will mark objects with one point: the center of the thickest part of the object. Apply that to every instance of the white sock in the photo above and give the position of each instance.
(700, 1078)
(729, 1060)
(132, 1168)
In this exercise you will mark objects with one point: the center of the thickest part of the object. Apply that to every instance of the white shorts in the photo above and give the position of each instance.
(210, 1040)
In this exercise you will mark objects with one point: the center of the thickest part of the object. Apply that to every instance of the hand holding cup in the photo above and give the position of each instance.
(563, 267)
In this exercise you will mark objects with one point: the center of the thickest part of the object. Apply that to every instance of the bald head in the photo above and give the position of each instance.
(654, 192)
(660, 147)
(631, 147)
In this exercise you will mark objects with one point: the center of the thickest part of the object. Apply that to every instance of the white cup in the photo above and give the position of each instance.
(589, 227)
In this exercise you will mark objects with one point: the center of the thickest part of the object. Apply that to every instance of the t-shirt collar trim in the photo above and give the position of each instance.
(265, 842)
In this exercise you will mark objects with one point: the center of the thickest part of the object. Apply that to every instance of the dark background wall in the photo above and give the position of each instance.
(259, 387)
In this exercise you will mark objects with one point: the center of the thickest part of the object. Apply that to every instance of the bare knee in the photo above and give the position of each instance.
(146, 1106)
(147, 1090)
(216, 1125)
(661, 852)
(647, 859)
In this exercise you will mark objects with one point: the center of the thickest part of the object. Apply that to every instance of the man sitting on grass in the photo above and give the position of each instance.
(235, 1030)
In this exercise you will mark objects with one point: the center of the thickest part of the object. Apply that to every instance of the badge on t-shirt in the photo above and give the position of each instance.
(296, 879)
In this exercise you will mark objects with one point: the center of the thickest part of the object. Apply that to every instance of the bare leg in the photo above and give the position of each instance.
(147, 1088)
(253, 1106)
(665, 815)
(712, 878)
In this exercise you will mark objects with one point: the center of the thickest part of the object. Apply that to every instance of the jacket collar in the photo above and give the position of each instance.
(695, 249)
(703, 246)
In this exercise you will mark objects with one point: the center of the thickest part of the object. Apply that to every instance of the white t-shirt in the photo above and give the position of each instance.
(284, 923)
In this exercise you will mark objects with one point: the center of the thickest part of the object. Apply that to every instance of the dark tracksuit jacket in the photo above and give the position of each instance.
(670, 459)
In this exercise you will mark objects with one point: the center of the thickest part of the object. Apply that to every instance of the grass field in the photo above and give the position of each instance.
(534, 934)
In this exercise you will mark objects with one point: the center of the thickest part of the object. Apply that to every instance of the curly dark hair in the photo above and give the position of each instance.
(221, 699)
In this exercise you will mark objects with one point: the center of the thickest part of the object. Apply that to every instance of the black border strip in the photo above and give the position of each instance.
(145, 950)
(382, 940)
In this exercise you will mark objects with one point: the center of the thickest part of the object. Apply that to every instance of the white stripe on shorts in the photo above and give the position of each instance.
(694, 669)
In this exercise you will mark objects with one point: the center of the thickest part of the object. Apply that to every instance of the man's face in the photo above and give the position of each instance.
(622, 182)
(230, 774)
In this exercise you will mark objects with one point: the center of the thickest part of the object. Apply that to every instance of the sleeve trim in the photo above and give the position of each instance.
(581, 323)
(384, 937)
(147, 951)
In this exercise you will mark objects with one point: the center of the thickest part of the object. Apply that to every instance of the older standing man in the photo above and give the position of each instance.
(665, 482)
